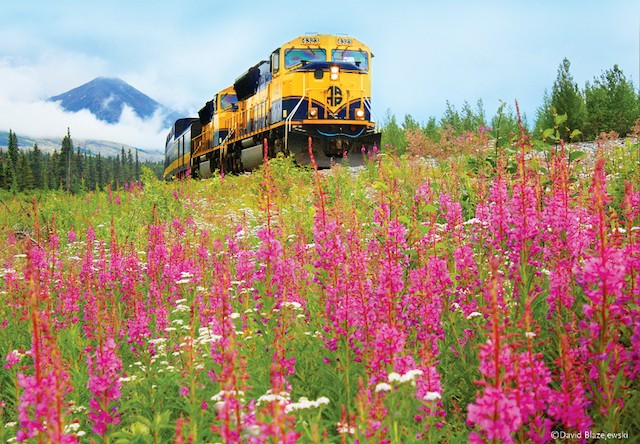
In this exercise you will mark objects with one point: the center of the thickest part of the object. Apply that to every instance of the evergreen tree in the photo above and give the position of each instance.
(130, 167)
(12, 150)
(3, 178)
(10, 176)
(91, 174)
(612, 104)
(137, 166)
(36, 167)
(544, 115)
(24, 174)
(117, 169)
(392, 135)
(53, 173)
(567, 99)
(431, 129)
(99, 172)
(64, 162)
(451, 119)
(77, 171)
(471, 120)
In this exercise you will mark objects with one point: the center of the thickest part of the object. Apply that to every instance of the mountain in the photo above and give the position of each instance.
(104, 147)
(106, 97)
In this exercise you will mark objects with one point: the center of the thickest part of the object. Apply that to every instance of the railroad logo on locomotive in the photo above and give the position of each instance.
(335, 96)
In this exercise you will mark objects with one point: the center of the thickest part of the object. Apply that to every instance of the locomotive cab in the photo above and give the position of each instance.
(325, 94)
(210, 147)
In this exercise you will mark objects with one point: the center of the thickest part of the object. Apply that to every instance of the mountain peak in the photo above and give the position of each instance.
(105, 98)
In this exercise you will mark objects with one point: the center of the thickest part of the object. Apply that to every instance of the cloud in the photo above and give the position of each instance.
(41, 119)
(24, 109)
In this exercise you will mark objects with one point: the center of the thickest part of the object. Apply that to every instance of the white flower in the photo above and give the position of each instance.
(383, 387)
(270, 397)
(409, 376)
(412, 374)
(530, 334)
(181, 308)
(432, 396)
(293, 305)
(473, 314)
(345, 429)
(394, 377)
(304, 403)
(73, 427)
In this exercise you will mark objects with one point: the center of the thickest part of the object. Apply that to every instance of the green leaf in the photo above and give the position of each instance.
(547, 133)
(560, 119)
(576, 155)
(380, 186)
(575, 133)
(431, 208)
(404, 220)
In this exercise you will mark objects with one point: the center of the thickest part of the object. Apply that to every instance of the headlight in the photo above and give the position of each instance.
(313, 113)
(335, 72)
(360, 113)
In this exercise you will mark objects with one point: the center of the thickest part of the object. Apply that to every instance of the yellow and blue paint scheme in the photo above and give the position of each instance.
(315, 87)
(177, 156)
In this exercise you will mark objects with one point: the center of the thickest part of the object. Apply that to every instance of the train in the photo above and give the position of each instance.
(315, 86)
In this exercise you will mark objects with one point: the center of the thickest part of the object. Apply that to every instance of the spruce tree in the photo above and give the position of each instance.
(612, 104)
(24, 175)
(544, 115)
(64, 161)
(36, 167)
(12, 149)
(567, 99)
(53, 173)
(99, 172)
(3, 178)
(131, 171)
(137, 167)
(392, 135)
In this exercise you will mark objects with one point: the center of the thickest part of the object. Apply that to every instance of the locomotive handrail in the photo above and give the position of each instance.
(287, 122)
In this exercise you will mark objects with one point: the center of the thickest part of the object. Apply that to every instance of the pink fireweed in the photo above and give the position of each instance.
(43, 407)
(496, 413)
(104, 384)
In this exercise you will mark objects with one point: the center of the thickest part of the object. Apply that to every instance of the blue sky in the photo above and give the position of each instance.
(181, 53)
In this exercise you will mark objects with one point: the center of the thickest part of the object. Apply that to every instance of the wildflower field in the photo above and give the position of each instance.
(489, 296)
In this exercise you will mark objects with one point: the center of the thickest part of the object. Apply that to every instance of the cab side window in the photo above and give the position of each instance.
(275, 61)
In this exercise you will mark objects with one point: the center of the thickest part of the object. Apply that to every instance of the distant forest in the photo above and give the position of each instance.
(607, 104)
(69, 169)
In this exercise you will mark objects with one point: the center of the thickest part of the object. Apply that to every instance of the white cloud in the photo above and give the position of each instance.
(24, 89)
(41, 119)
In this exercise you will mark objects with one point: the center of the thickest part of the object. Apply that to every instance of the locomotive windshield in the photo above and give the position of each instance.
(295, 56)
(228, 100)
(358, 58)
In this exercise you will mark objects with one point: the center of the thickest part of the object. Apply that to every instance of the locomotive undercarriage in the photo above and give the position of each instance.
(327, 150)
(330, 149)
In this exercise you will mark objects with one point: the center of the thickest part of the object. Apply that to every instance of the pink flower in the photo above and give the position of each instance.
(104, 384)
(495, 415)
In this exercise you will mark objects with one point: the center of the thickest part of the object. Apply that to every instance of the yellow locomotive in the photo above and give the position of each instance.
(316, 86)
